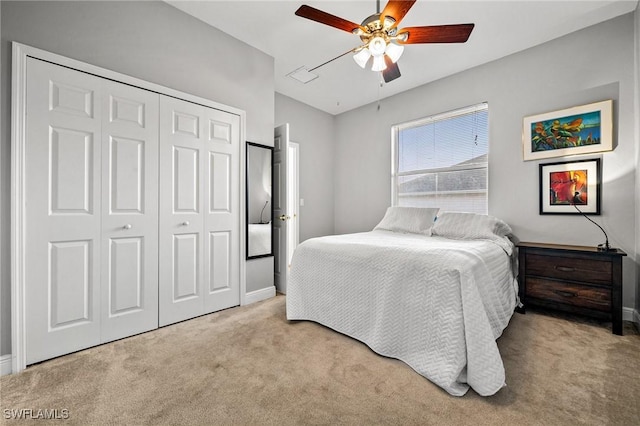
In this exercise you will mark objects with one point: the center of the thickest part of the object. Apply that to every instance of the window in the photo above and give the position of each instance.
(441, 161)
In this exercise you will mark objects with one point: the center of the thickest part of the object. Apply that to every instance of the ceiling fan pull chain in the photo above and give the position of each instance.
(330, 60)
(380, 83)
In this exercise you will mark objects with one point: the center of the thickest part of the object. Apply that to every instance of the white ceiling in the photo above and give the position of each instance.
(501, 28)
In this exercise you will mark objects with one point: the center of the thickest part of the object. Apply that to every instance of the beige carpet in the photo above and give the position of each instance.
(249, 365)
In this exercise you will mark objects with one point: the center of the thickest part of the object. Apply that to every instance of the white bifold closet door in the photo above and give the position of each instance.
(199, 210)
(132, 210)
(91, 210)
(129, 298)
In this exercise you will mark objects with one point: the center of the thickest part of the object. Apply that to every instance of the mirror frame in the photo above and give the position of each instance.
(250, 145)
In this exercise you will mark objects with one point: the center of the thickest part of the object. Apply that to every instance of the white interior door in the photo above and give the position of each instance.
(181, 215)
(92, 216)
(199, 210)
(221, 234)
(62, 233)
(129, 211)
(280, 210)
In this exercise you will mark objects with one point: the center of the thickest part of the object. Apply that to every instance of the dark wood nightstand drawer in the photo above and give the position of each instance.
(584, 296)
(567, 268)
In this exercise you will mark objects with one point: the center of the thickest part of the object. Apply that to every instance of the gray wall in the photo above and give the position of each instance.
(313, 130)
(586, 66)
(148, 40)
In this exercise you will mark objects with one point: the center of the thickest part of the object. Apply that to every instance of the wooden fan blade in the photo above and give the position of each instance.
(391, 72)
(458, 33)
(314, 14)
(396, 9)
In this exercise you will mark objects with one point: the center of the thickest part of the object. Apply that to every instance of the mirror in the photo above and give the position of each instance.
(259, 205)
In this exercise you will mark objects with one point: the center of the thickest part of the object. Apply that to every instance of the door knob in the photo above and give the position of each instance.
(284, 217)
(185, 223)
(127, 226)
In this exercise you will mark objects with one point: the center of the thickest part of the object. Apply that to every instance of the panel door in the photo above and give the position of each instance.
(62, 233)
(181, 211)
(280, 208)
(129, 211)
(222, 210)
(199, 210)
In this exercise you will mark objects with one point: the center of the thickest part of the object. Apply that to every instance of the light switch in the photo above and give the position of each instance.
(301, 202)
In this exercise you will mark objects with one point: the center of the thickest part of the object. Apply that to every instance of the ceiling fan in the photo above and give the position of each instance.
(381, 37)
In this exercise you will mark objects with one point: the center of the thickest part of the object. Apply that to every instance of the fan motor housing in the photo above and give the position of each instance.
(375, 27)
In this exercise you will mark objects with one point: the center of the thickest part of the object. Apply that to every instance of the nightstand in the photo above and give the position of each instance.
(576, 279)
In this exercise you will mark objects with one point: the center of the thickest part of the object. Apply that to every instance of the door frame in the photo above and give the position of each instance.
(20, 53)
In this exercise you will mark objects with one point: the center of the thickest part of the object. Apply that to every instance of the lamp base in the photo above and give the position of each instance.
(602, 247)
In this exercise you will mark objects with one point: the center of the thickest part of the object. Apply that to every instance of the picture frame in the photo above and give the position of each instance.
(570, 184)
(583, 129)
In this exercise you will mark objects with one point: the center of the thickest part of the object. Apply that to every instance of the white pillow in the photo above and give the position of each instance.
(415, 220)
(472, 226)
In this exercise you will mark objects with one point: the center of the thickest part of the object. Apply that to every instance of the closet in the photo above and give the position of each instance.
(131, 210)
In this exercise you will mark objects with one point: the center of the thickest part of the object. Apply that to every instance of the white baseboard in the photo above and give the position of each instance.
(258, 295)
(628, 314)
(636, 319)
(5, 365)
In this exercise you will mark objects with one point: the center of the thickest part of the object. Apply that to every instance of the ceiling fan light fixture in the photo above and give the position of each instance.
(394, 51)
(378, 63)
(377, 46)
(362, 57)
(381, 38)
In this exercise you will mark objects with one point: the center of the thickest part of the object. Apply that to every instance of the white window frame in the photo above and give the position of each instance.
(395, 133)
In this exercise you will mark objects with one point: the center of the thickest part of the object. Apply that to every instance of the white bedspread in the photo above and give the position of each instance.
(437, 304)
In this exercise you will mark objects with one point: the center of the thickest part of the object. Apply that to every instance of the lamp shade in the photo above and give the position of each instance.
(362, 57)
(394, 51)
(377, 46)
(378, 63)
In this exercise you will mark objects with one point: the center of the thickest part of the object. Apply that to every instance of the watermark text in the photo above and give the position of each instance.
(35, 414)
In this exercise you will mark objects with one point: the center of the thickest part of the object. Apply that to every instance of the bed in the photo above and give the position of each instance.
(433, 295)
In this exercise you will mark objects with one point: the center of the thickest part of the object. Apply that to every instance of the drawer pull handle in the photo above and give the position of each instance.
(565, 293)
(565, 269)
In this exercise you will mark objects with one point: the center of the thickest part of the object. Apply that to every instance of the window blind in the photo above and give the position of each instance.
(441, 161)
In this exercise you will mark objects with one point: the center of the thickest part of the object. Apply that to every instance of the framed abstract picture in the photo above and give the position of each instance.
(570, 187)
(583, 129)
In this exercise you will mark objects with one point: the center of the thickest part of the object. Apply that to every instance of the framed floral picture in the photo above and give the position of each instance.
(583, 129)
(570, 187)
